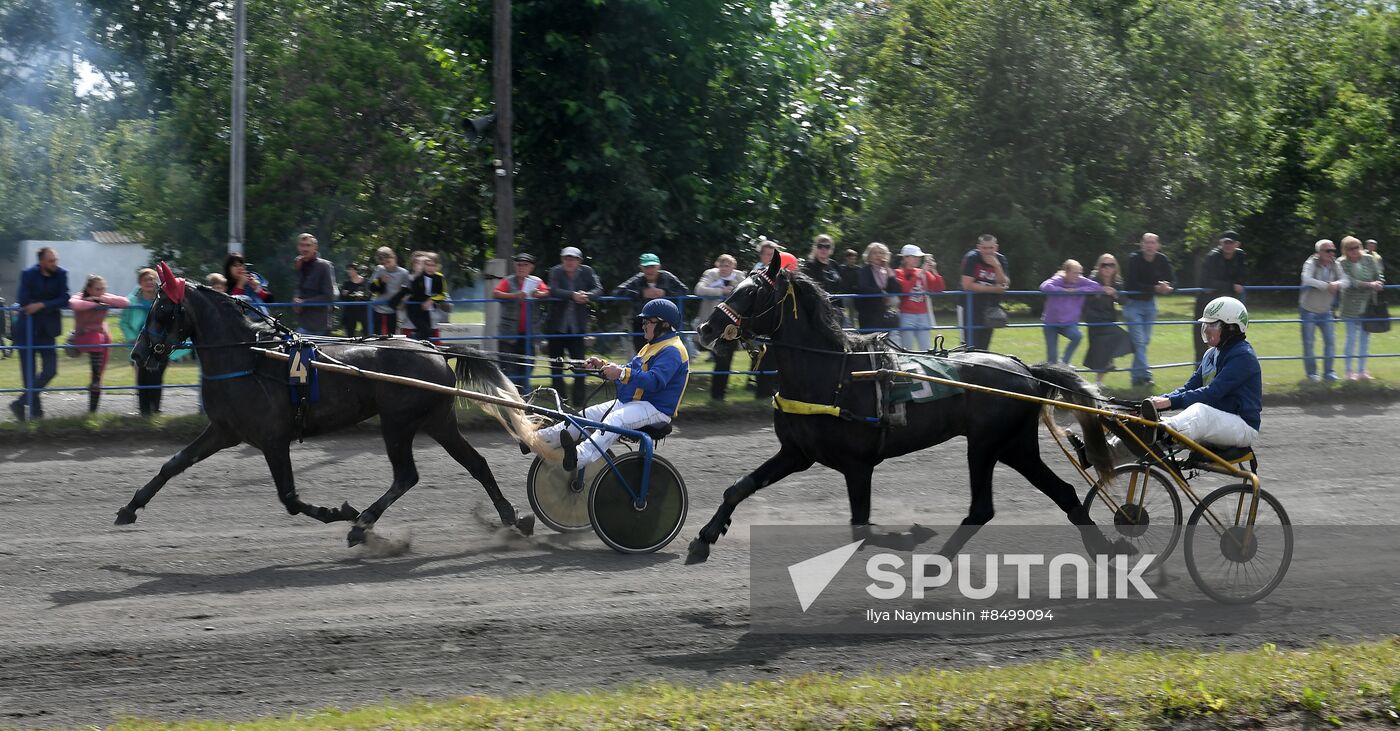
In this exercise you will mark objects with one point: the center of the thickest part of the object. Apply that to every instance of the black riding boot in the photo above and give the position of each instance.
(94, 395)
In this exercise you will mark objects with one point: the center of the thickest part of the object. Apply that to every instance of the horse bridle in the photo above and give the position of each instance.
(735, 330)
(164, 347)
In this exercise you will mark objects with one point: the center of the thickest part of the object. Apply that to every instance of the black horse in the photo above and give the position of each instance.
(815, 358)
(247, 398)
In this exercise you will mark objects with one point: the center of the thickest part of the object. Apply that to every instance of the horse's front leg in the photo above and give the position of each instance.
(211, 440)
(279, 463)
(787, 461)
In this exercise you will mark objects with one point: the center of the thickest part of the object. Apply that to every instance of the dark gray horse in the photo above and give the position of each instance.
(815, 359)
(247, 398)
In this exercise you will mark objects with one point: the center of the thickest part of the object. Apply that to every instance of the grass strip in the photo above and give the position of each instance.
(1330, 684)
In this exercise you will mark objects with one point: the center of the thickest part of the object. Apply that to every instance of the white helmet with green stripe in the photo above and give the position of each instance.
(1226, 310)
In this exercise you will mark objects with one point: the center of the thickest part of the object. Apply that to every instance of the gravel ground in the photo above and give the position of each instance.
(218, 604)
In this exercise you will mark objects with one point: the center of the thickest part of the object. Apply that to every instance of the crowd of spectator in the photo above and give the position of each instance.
(391, 301)
(557, 308)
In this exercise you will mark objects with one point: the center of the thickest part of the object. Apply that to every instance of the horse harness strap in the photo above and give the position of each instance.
(802, 408)
(227, 376)
(302, 381)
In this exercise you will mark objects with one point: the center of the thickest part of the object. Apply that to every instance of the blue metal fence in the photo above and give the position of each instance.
(963, 301)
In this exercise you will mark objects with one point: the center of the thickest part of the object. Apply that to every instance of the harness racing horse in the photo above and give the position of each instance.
(247, 399)
(814, 358)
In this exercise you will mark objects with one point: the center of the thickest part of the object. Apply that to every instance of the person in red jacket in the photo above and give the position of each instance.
(915, 315)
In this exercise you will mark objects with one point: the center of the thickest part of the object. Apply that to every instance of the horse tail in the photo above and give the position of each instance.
(478, 371)
(1059, 381)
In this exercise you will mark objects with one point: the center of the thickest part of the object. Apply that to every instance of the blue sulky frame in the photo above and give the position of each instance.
(647, 445)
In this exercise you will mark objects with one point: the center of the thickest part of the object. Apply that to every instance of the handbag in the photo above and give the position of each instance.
(1377, 315)
(994, 316)
(72, 340)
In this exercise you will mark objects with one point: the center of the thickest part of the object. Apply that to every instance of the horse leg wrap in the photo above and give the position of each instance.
(348, 513)
(325, 515)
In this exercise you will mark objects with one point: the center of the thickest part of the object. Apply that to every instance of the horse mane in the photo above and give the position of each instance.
(236, 308)
(812, 298)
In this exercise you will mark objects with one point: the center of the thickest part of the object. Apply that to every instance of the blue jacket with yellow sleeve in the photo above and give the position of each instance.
(657, 374)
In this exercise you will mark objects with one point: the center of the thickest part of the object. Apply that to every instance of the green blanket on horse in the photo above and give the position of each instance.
(904, 390)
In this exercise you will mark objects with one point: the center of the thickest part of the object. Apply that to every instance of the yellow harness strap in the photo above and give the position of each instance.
(788, 406)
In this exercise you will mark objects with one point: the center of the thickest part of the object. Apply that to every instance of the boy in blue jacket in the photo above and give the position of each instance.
(649, 388)
(1222, 400)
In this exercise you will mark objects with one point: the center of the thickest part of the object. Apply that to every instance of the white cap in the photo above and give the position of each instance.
(910, 250)
(571, 251)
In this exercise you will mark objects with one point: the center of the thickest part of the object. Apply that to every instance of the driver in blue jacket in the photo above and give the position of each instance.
(649, 388)
(1222, 400)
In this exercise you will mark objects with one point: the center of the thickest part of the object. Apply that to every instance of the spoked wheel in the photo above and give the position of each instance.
(1230, 559)
(631, 526)
(558, 504)
(1141, 504)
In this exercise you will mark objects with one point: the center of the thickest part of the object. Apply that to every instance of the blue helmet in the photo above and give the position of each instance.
(665, 310)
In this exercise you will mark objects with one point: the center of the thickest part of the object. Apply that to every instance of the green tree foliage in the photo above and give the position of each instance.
(54, 177)
(689, 127)
(1354, 144)
(1066, 129)
(681, 127)
(351, 117)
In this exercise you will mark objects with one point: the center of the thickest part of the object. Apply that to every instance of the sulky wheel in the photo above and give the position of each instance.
(558, 504)
(624, 524)
(1142, 505)
(1230, 560)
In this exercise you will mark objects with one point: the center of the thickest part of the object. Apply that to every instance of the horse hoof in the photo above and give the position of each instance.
(711, 533)
(526, 525)
(348, 513)
(125, 516)
(699, 552)
(356, 536)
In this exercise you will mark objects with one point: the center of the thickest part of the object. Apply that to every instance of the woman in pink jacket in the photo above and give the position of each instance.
(90, 329)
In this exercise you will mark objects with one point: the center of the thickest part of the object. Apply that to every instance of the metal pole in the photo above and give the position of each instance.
(236, 134)
(504, 162)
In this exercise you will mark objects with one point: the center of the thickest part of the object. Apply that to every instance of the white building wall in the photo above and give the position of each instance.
(117, 263)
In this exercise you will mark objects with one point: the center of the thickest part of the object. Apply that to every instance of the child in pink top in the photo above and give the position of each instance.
(90, 328)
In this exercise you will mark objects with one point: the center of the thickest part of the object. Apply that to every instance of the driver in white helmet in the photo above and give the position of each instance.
(1220, 404)
(649, 388)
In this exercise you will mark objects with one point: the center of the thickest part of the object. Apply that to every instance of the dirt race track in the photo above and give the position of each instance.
(218, 604)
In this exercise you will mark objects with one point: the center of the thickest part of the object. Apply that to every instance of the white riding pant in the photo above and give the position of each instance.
(1209, 425)
(631, 415)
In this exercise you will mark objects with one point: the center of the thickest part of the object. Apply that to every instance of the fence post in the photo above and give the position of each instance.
(527, 365)
(967, 318)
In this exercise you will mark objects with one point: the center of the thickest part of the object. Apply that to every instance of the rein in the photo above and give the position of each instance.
(734, 332)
